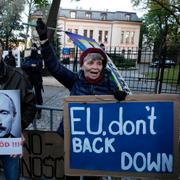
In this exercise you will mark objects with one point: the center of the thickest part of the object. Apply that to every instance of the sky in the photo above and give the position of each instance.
(102, 5)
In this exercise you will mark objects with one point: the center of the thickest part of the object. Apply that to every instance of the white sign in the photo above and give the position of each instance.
(10, 146)
(10, 122)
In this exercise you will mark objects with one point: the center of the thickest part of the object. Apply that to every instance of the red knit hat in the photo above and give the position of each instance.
(93, 50)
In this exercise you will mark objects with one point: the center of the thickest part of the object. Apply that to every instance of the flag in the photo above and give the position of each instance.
(84, 43)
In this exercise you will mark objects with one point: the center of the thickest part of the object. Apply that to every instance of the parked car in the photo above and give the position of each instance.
(168, 63)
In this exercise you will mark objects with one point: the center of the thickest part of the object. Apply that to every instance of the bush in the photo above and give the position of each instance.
(121, 62)
(128, 63)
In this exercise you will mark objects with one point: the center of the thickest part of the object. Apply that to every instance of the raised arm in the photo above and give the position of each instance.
(60, 72)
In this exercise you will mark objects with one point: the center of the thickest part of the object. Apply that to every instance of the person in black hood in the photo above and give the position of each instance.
(10, 59)
(15, 79)
(33, 65)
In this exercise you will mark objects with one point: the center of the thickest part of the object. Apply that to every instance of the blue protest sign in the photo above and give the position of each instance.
(122, 137)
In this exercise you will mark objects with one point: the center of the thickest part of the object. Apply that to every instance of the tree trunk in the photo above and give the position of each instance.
(52, 18)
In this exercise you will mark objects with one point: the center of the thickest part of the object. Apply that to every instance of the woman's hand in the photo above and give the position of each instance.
(120, 95)
(41, 29)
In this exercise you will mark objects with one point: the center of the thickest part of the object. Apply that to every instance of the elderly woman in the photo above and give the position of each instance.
(92, 79)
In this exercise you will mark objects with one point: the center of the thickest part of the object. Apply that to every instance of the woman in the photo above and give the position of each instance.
(92, 79)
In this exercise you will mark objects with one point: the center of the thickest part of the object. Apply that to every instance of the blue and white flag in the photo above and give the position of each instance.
(84, 42)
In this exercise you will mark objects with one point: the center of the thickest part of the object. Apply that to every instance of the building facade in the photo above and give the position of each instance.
(113, 29)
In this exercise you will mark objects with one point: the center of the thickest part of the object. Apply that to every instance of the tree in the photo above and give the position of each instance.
(161, 21)
(170, 6)
(52, 17)
(31, 7)
(41, 2)
(10, 19)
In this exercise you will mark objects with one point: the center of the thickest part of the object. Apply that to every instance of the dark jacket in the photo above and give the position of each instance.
(76, 82)
(33, 67)
(10, 60)
(11, 79)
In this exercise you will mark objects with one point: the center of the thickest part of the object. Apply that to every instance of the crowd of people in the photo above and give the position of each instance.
(93, 78)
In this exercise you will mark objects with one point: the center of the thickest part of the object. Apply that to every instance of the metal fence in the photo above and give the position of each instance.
(144, 75)
(51, 116)
(152, 80)
(137, 71)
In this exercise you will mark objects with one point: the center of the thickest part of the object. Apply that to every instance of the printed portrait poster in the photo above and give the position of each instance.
(10, 122)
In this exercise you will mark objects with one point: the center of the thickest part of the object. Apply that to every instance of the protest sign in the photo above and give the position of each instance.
(136, 137)
(43, 155)
(10, 122)
(10, 146)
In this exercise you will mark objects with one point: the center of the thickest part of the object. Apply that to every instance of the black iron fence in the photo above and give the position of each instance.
(139, 70)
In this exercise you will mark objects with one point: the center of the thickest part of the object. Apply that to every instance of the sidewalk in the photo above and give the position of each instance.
(50, 81)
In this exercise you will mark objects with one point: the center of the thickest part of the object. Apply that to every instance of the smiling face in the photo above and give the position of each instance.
(6, 115)
(92, 68)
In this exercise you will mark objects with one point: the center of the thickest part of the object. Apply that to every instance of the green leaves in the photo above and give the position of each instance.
(10, 17)
(41, 3)
(160, 23)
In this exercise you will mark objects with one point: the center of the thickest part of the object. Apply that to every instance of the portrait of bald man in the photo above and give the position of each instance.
(7, 115)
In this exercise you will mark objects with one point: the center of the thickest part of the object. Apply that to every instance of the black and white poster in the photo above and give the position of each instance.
(10, 122)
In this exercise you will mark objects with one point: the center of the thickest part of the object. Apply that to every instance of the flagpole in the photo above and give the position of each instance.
(34, 25)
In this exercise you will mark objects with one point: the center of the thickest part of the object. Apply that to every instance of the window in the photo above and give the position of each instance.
(88, 15)
(100, 36)
(73, 14)
(103, 16)
(91, 33)
(123, 52)
(128, 53)
(106, 36)
(132, 37)
(85, 32)
(127, 37)
(76, 31)
(122, 37)
(128, 16)
(69, 30)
